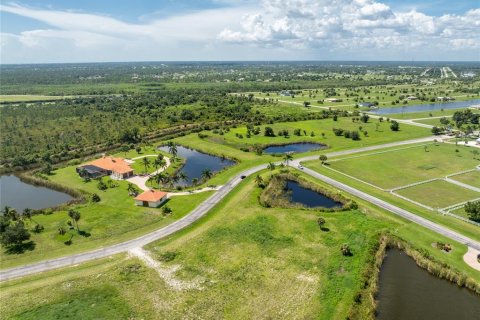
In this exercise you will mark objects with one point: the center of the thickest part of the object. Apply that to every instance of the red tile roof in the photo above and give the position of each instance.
(151, 196)
(118, 165)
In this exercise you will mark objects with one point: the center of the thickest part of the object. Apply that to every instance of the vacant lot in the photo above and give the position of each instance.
(471, 178)
(376, 133)
(438, 194)
(395, 168)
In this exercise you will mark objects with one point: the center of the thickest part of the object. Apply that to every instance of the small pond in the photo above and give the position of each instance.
(20, 195)
(196, 162)
(408, 292)
(427, 107)
(294, 147)
(310, 198)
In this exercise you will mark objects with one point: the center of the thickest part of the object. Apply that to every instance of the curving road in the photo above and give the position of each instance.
(208, 204)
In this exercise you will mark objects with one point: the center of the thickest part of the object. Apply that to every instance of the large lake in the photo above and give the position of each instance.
(196, 162)
(408, 292)
(427, 107)
(20, 195)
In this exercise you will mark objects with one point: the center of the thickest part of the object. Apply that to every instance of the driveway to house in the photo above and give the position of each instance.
(213, 200)
(141, 180)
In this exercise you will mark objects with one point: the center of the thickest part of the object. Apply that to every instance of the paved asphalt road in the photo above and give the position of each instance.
(208, 204)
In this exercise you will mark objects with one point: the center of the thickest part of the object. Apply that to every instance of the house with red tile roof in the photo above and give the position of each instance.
(151, 198)
(118, 168)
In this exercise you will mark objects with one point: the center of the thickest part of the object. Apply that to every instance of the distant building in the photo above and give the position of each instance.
(285, 93)
(478, 141)
(445, 98)
(151, 198)
(118, 168)
(411, 98)
(333, 100)
(366, 104)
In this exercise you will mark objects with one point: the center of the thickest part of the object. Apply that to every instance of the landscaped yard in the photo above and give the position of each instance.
(406, 165)
(438, 194)
(114, 219)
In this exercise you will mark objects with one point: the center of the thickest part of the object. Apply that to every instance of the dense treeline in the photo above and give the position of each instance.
(37, 133)
(107, 78)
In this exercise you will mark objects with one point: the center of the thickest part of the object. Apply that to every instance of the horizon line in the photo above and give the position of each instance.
(234, 61)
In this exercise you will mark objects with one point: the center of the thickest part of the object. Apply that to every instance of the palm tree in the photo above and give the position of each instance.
(156, 164)
(146, 163)
(194, 181)
(10, 213)
(271, 166)
(259, 180)
(174, 179)
(287, 158)
(159, 178)
(172, 148)
(131, 188)
(75, 216)
(163, 164)
(206, 174)
(27, 214)
(183, 176)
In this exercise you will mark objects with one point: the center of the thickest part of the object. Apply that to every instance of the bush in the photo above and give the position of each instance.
(168, 256)
(345, 249)
(95, 198)
(394, 126)
(166, 210)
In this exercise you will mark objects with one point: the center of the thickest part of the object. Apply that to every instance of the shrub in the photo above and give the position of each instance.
(394, 126)
(168, 256)
(345, 249)
(95, 198)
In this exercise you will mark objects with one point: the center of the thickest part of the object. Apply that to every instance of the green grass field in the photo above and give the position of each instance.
(114, 219)
(471, 178)
(403, 166)
(438, 194)
(377, 132)
(450, 222)
(249, 261)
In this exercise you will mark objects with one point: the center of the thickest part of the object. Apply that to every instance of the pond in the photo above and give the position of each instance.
(196, 162)
(427, 107)
(408, 292)
(20, 195)
(310, 198)
(294, 147)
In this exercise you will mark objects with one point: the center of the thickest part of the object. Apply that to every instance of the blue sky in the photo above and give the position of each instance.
(88, 30)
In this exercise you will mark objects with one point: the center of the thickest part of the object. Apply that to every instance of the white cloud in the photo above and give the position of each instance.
(354, 24)
(275, 29)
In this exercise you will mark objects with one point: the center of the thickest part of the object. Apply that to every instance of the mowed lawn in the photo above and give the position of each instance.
(114, 219)
(403, 166)
(438, 194)
(470, 178)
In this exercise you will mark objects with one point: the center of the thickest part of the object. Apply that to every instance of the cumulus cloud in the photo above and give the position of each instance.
(269, 29)
(344, 23)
